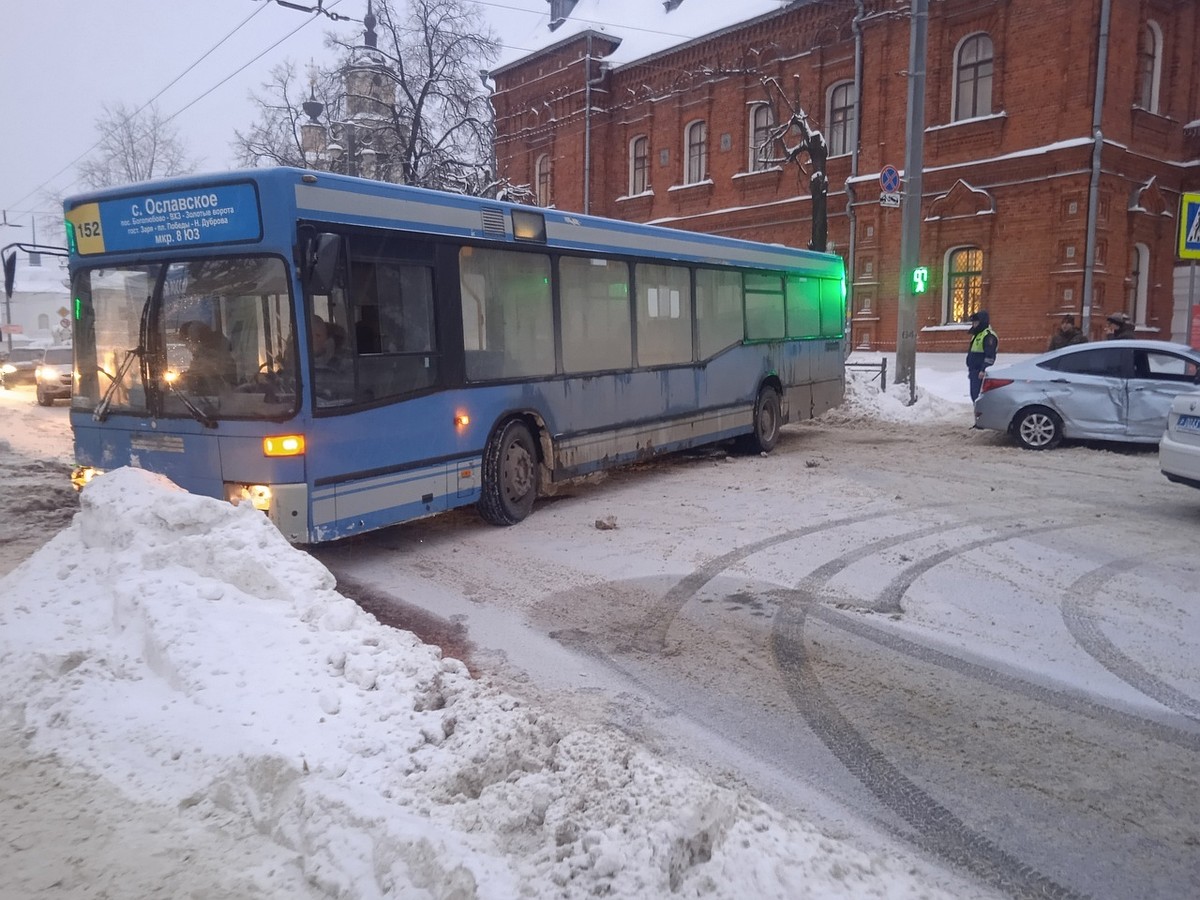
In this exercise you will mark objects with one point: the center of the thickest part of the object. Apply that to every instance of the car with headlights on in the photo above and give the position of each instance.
(21, 365)
(1179, 449)
(55, 375)
(1108, 391)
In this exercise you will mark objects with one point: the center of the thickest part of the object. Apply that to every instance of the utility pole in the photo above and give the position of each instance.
(910, 222)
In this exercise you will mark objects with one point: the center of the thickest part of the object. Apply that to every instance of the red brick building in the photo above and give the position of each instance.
(1037, 201)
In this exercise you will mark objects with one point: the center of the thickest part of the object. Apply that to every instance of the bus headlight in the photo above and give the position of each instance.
(257, 495)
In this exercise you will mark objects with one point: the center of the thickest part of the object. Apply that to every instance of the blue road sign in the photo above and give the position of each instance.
(889, 180)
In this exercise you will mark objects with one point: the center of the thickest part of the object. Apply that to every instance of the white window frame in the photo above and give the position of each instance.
(848, 127)
(759, 134)
(958, 70)
(1154, 32)
(542, 175)
(695, 174)
(1139, 287)
(634, 190)
(948, 285)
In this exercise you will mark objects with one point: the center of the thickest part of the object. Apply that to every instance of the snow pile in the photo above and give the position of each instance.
(180, 649)
(866, 403)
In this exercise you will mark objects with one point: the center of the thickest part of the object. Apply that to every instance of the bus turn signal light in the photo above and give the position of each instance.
(284, 445)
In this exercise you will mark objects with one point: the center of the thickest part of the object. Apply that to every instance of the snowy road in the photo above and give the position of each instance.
(910, 627)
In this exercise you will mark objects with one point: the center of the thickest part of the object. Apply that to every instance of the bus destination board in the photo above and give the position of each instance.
(218, 214)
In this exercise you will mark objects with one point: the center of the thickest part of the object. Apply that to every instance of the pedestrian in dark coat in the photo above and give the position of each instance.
(982, 350)
(1121, 326)
(1066, 334)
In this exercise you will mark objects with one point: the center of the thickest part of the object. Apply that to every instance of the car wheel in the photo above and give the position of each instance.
(1037, 428)
(510, 475)
(43, 399)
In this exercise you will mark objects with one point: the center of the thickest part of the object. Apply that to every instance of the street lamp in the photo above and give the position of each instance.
(347, 146)
(365, 138)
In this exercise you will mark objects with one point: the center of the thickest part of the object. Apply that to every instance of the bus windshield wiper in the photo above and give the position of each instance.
(103, 406)
(197, 413)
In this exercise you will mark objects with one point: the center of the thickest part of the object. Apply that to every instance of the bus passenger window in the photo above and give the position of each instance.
(394, 329)
(833, 308)
(803, 306)
(720, 321)
(664, 315)
(366, 331)
(508, 319)
(333, 368)
(764, 306)
(596, 332)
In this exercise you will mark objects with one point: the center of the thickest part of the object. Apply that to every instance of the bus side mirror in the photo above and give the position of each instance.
(325, 252)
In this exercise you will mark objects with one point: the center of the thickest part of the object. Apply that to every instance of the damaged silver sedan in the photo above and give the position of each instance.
(1108, 391)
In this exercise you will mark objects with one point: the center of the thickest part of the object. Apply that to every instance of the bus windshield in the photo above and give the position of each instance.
(207, 338)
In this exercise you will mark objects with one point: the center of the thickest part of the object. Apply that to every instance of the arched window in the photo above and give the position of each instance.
(1139, 282)
(762, 120)
(541, 179)
(696, 141)
(973, 78)
(841, 118)
(964, 283)
(1149, 67)
(639, 165)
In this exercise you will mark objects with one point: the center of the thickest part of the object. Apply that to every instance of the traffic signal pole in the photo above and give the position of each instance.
(910, 222)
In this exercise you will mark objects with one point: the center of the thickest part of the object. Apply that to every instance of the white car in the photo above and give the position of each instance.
(1179, 449)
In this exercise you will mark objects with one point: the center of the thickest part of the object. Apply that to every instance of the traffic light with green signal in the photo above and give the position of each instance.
(920, 279)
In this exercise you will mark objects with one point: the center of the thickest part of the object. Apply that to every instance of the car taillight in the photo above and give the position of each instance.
(990, 384)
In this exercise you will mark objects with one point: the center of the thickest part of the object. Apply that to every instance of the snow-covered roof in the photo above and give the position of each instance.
(643, 27)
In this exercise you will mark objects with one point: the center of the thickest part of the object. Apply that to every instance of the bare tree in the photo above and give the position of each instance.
(276, 138)
(781, 148)
(789, 140)
(134, 145)
(408, 91)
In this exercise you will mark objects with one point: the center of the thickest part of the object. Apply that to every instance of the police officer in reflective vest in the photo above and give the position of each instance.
(982, 352)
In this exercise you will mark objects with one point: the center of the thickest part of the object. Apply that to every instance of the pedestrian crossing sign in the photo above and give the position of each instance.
(1189, 226)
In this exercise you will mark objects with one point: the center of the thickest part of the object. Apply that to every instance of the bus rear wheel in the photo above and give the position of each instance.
(510, 475)
(768, 419)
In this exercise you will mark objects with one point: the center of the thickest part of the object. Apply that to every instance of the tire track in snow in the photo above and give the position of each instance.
(1086, 631)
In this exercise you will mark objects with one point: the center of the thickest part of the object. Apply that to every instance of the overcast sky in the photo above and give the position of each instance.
(64, 60)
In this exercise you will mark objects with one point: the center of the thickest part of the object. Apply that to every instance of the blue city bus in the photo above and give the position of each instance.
(475, 351)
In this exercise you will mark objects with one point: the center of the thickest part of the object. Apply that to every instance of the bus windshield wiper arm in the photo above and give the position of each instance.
(103, 406)
(197, 413)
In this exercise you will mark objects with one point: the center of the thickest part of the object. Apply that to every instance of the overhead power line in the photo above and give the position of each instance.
(175, 80)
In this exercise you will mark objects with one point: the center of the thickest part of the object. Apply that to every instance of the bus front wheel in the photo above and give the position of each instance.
(510, 475)
(768, 419)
